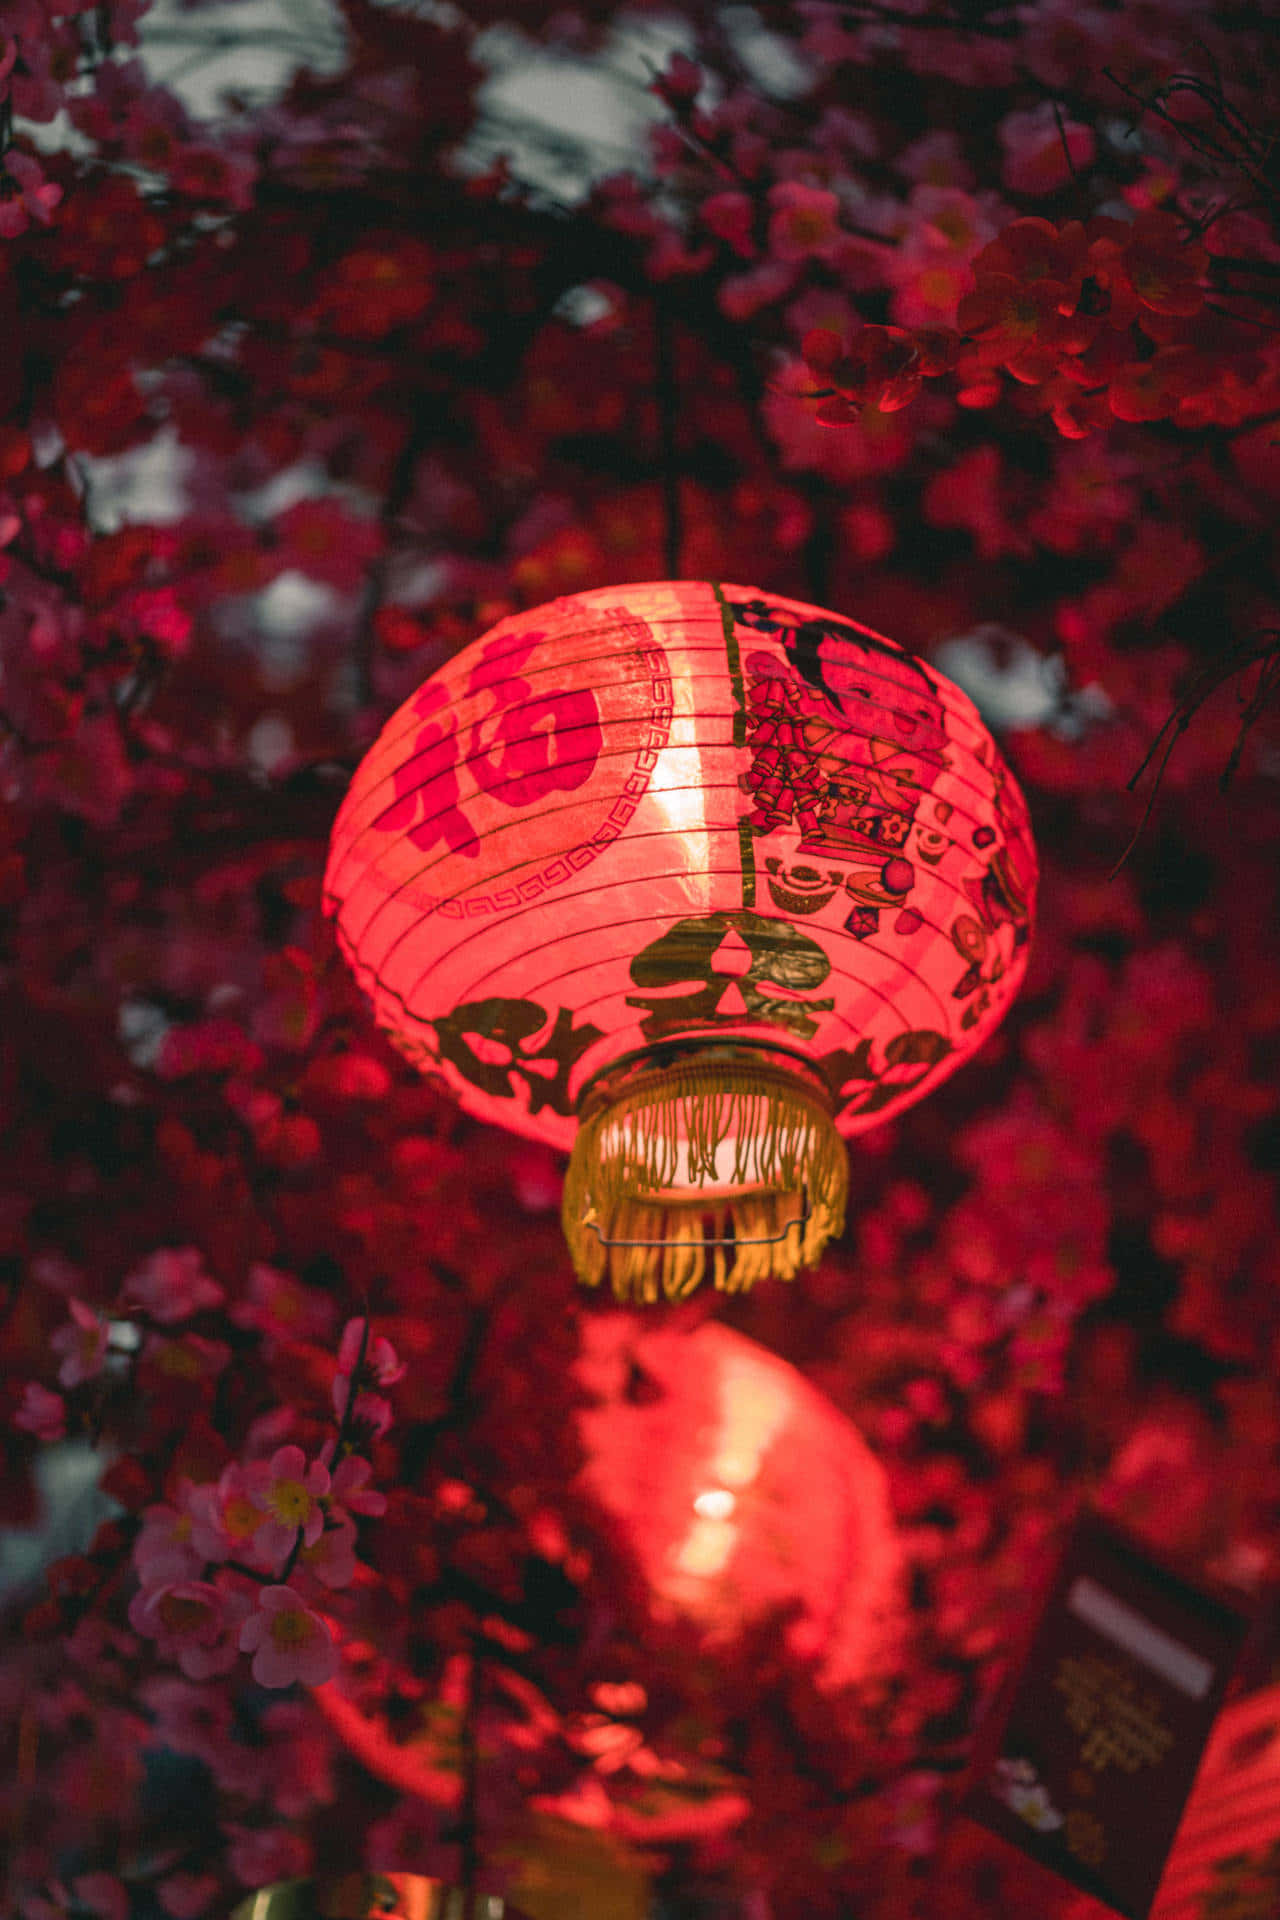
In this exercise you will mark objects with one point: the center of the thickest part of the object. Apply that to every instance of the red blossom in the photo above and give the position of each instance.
(1164, 267)
(324, 539)
(880, 367)
(1043, 149)
(376, 288)
(803, 220)
(26, 195)
(106, 230)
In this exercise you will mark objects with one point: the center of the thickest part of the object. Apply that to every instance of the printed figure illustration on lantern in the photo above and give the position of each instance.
(696, 883)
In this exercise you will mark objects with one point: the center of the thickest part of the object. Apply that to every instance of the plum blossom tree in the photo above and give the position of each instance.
(962, 318)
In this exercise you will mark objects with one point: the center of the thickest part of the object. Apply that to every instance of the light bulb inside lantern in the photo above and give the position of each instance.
(740, 1490)
(717, 1503)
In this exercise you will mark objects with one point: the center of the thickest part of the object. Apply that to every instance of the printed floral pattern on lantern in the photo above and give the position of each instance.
(526, 747)
(1000, 924)
(489, 1041)
(861, 1086)
(843, 750)
(731, 969)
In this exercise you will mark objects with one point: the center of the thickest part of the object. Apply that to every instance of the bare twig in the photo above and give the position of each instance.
(1261, 650)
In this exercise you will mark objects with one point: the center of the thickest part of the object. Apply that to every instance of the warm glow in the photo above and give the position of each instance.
(754, 1404)
(677, 811)
(740, 1489)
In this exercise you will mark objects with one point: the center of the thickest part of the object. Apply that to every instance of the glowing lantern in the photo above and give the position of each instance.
(740, 1489)
(692, 882)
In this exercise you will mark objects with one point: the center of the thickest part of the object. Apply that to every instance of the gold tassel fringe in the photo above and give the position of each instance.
(648, 1201)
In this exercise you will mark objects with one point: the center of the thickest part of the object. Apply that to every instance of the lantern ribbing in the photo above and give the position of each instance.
(695, 883)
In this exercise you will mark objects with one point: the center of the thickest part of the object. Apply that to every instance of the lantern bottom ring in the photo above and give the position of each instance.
(800, 1222)
(721, 1164)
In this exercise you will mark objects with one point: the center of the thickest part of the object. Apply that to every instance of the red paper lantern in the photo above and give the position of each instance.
(693, 882)
(741, 1490)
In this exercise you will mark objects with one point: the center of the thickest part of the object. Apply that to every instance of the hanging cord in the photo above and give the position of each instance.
(668, 395)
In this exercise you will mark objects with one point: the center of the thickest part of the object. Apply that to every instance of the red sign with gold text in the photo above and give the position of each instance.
(1108, 1719)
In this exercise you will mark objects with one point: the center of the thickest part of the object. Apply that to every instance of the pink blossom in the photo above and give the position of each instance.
(930, 266)
(158, 613)
(98, 1779)
(226, 1517)
(214, 172)
(670, 255)
(215, 1045)
(372, 1411)
(259, 1856)
(53, 1270)
(743, 294)
(155, 125)
(34, 1906)
(381, 1362)
(116, 84)
(325, 539)
(299, 1754)
(82, 1344)
(188, 1719)
(187, 1895)
(103, 1894)
(936, 159)
(163, 1553)
(171, 1284)
(279, 1305)
(36, 197)
(875, 443)
(269, 1431)
(681, 83)
(349, 1489)
(288, 1641)
(123, 17)
(189, 1358)
(192, 1622)
(536, 1176)
(289, 1493)
(48, 57)
(730, 217)
(332, 1556)
(1041, 155)
(42, 1413)
(381, 1365)
(803, 221)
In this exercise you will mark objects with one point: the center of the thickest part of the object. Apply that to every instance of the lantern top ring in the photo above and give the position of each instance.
(757, 1056)
(744, 1063)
